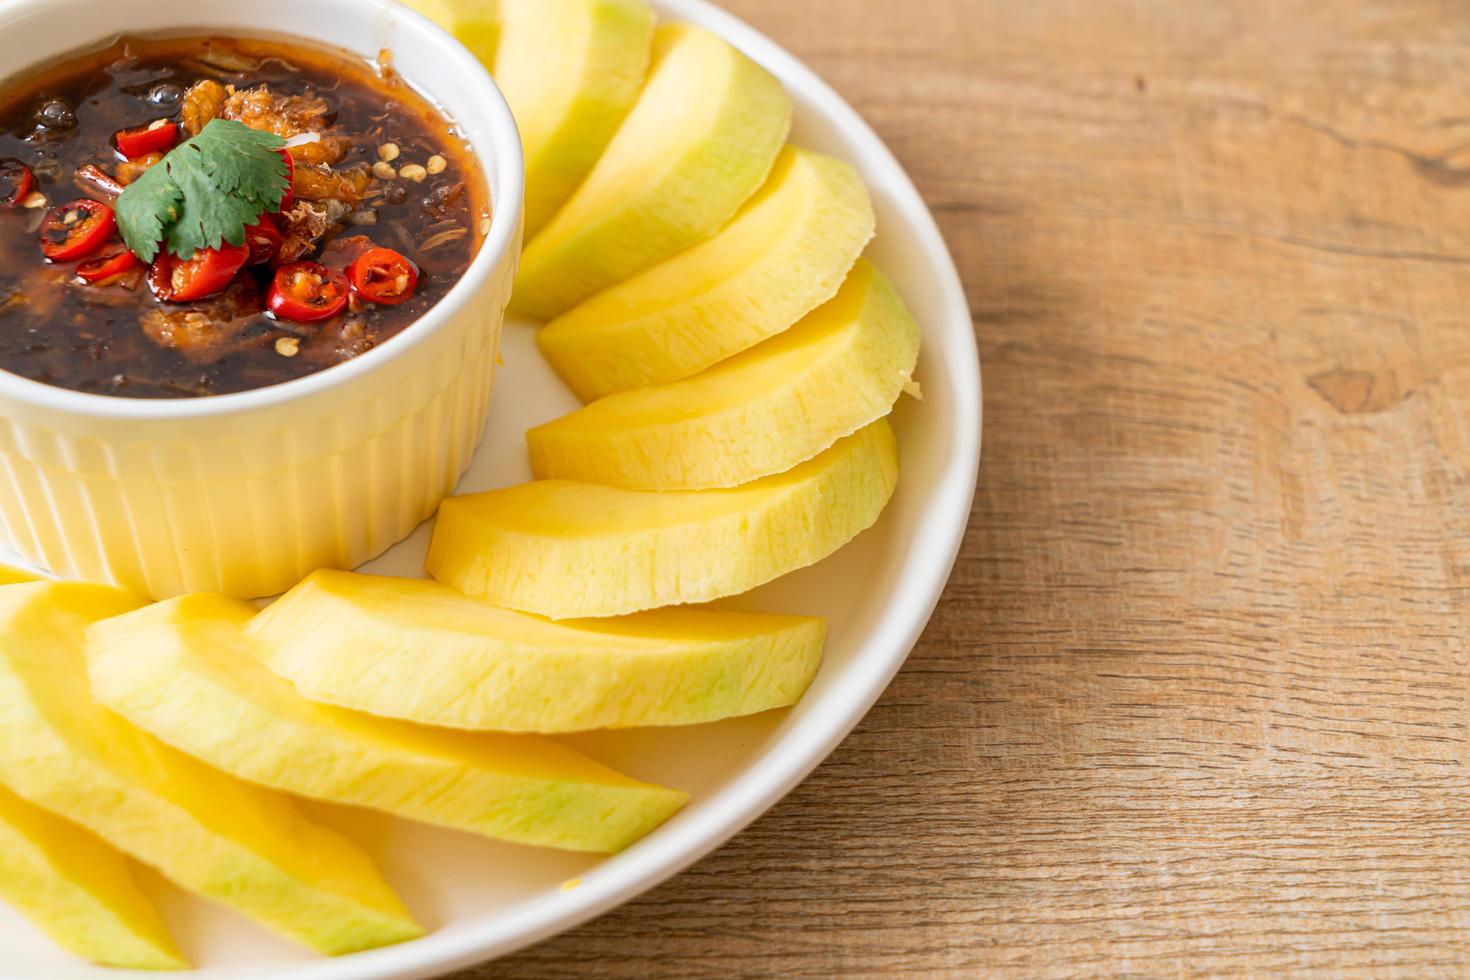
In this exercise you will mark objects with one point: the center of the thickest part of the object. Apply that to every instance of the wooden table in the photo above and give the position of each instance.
(1196, 701)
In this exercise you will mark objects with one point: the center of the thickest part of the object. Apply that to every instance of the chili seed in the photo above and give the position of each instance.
(413, 172)
(288, 346)
(35, 199)
(436, 164)
(384, 171)
(388, 152)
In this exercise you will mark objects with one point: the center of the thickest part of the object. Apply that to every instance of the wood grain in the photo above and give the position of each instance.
(1196, 701)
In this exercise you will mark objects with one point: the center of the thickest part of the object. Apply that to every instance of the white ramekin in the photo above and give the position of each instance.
(246, 493)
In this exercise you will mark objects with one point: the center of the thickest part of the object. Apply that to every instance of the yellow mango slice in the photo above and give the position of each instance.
(571, 70)
(13, 576)
(78, 891)
(761, 412)
(700, 140)
(418, 650)
(245, 847)
(186, 672)
(784, 255)
(564, 549)
(474, 23)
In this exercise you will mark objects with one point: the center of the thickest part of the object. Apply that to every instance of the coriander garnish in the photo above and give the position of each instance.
(208, 190)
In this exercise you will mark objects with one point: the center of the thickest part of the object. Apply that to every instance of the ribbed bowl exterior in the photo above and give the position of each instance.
(248, 503)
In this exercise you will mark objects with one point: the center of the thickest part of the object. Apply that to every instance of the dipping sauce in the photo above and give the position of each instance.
(381, 211)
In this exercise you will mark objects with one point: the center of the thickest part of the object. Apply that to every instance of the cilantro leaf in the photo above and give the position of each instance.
(236, 158)
(208, 214)
(208, 190)
(147, 207)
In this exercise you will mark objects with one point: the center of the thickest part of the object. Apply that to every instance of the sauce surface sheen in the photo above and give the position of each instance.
(416, 186)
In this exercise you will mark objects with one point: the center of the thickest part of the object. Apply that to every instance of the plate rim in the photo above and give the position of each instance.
(805, 745)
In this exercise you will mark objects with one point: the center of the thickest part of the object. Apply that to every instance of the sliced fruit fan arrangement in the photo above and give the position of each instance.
(702, 290)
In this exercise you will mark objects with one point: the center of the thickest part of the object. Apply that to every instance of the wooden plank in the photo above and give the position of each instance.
(1196, 700)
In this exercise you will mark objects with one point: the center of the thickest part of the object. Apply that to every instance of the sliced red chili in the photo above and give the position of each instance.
(16, 182)
(76, 230)
(381, 275)
(263, 239)
(108, 266)
(207, 272)
(307, 292)
(157, 138)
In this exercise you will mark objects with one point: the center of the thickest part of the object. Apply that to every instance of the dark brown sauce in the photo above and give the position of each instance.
(60, 331)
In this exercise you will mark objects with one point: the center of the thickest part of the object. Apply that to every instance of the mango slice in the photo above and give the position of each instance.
(186, 672)
(14, 576)
(417, 650)
(78, 891)
(784, 255)
(564, 549)
(571, 70)
(247, 848)
(761, 412)
(700, 140)
(474, 23)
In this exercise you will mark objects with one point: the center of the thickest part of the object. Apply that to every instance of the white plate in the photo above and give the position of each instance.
(484, 899)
